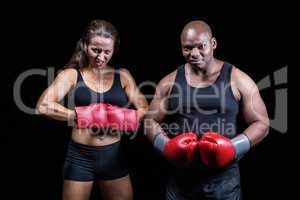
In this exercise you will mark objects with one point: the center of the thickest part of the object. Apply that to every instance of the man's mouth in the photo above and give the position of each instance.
(197, 62)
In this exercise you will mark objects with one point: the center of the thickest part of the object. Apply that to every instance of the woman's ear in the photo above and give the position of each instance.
(85, 48)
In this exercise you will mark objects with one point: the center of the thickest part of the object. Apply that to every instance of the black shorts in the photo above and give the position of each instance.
(88, 163)
(223, 185)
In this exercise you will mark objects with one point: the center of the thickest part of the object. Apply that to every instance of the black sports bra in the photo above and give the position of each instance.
(84, 96)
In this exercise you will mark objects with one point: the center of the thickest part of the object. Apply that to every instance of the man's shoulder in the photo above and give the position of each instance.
(168, 79)
(238, 74)
(242, 80)
(166, 83)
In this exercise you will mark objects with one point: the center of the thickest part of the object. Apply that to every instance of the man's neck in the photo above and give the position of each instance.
(211, 69)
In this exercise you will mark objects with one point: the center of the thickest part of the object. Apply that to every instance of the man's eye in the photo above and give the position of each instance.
(186, 48)
(107, 52)
(203, 46)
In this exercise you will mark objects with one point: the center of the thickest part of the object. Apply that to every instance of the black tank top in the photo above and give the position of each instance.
(82, 95)
(199, 110)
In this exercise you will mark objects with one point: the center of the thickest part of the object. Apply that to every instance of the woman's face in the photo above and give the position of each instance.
(100, 51)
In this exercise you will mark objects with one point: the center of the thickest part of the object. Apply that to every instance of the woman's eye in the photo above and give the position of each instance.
(96, 50)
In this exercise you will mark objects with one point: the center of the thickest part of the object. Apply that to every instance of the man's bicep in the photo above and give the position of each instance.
(158, 105)
(254, 108)
(157, 110)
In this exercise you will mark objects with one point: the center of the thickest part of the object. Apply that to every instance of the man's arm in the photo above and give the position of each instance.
(217, 150)
(158, 107)
(181, 149)
(254, 109)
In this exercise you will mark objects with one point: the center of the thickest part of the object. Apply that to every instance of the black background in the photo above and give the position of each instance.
(255, 38)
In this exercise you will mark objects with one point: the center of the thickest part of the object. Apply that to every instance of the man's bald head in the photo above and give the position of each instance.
(196, 27)
(198, 44)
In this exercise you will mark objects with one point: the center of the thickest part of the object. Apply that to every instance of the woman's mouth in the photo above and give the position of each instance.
(99, 63)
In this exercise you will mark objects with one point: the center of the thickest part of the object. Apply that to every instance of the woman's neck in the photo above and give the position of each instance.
(100, 72)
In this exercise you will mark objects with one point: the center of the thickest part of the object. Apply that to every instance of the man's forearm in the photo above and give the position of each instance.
(257, 131)
(152, 128)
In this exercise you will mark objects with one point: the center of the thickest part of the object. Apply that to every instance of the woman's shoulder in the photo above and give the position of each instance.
(124, 70)
(69, 74)
(70, 70)
(125, 73)
(125, 77)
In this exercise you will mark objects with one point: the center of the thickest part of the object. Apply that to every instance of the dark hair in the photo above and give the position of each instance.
(95, 28)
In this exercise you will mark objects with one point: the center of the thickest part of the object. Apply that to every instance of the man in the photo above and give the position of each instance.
(203, 98)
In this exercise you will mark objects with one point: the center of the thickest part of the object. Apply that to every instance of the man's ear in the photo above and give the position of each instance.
(214, 42)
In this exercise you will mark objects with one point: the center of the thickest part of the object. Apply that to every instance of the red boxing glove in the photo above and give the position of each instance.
(92, 116)
(181, 149)
(216, 150)
(123, 119)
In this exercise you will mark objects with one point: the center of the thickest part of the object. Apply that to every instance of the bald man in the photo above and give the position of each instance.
(203, 97)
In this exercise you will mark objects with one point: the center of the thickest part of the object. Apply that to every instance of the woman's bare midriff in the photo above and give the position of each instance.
(88, 137)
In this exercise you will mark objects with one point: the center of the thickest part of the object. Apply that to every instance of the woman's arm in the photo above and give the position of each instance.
(48, 104)
(133, 93)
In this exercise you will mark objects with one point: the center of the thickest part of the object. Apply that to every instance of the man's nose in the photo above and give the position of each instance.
(195, 52)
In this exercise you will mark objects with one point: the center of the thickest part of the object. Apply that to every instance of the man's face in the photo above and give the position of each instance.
(197, 48)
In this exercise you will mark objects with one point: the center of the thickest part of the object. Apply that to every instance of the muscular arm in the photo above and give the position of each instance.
(133, 93)
(48, 104)
(158, 107)
(219, 151)
(254, 109)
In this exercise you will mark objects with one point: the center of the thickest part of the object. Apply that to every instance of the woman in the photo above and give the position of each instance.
(100, 95)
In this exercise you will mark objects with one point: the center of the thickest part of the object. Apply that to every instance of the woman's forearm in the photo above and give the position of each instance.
(56, 111)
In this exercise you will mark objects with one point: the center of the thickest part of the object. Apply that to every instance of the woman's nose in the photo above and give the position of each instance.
(101, 56)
